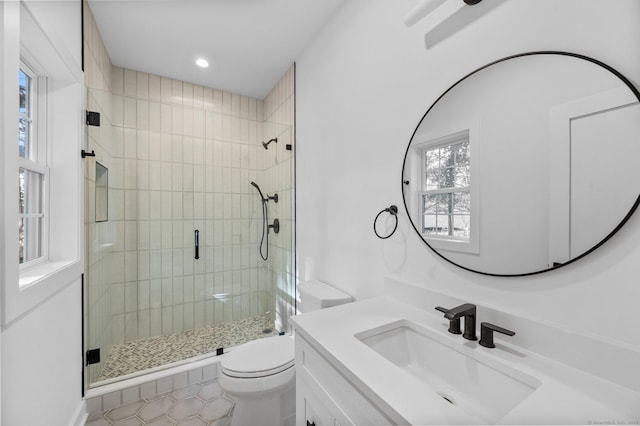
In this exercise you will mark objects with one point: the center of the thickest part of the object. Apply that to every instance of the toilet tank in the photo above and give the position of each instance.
(316, 295)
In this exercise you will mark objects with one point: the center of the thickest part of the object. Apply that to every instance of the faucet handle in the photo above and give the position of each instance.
(454, 324)
(486, 334)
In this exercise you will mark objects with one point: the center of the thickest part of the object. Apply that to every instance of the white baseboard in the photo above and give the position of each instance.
(80, 415)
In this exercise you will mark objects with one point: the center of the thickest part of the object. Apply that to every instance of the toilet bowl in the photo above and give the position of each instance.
(260, 374)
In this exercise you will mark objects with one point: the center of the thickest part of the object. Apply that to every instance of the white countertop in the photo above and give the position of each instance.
(565, 396)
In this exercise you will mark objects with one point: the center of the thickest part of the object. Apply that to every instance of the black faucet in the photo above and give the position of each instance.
(454, 324)
(468, 311)
(486, 333)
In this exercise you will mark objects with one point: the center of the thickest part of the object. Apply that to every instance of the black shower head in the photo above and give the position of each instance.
(266, 144)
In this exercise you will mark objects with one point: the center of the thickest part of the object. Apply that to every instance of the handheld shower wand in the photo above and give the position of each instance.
(265, 221)
(266, 144)
(273, 197)
(258, 188)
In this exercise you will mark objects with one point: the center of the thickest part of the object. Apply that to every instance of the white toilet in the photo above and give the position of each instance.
(260, 374)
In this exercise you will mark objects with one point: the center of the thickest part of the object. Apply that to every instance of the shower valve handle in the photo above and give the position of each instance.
(275, 226)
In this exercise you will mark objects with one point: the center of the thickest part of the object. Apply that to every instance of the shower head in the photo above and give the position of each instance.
(258, 188)
(266, 144)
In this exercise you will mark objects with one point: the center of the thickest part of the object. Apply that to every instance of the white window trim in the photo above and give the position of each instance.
(24, 289)
(428, 140)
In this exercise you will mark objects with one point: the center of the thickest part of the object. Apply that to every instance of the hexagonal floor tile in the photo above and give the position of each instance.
(185, 392)
(193, 421)
(210, 391)
(131, 421)
(216, 409)
(186, 408)
(225, 421)
(156, 408)
(125, 411)
(162, 421)
(99, 422)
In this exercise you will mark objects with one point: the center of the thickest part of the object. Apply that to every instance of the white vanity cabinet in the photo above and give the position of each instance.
(346, 376)
(325, 397)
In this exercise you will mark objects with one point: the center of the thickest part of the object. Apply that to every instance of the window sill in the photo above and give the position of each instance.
(471, 247)
(36, 285)
(41, 272)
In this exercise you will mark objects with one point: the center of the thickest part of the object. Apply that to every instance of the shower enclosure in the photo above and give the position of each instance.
(175, 160)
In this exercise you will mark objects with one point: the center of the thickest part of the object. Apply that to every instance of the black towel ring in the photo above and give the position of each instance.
(393, 211)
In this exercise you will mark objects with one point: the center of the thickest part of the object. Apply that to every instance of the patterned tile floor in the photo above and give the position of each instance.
(143, 354)
(202, 404)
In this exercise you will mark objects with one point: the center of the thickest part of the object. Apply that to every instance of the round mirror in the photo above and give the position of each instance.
(526, 164)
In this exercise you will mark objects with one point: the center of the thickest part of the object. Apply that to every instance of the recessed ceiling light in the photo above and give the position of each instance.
(201, 62)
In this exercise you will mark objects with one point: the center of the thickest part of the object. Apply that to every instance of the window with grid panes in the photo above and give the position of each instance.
(446, 191)
(32, 172)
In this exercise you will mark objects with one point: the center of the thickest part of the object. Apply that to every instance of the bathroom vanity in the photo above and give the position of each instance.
(325, 396)
(391, 360)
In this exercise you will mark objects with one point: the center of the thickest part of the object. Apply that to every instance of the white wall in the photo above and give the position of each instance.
(61, 19)
(42, 363)
(41, 351)
(362, 87)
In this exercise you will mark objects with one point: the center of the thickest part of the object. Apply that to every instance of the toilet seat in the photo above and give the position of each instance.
(260, 358)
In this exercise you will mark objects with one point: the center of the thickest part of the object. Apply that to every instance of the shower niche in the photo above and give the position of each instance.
(149, 302)
(102, 193)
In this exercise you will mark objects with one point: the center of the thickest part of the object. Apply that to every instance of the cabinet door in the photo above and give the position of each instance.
(315, 413)
(318, 408)
(349, 405)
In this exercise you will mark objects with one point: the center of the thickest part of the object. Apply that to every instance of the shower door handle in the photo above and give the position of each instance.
(196, 243)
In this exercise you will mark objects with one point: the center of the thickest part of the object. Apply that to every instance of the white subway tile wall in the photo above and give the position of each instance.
(187, 162)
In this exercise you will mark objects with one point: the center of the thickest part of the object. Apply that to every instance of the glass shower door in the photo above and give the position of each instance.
(178, 164)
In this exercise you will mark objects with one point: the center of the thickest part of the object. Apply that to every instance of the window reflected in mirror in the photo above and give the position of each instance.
(446, 207)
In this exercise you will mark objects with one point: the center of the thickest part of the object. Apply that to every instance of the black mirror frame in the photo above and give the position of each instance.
(626, 81)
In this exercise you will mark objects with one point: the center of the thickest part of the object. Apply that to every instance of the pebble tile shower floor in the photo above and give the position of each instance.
(143, 354)
(202, 404)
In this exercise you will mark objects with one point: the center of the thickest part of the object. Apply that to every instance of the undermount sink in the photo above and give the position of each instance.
(475, 383)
